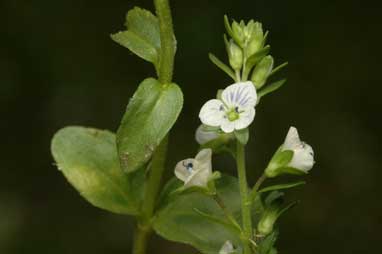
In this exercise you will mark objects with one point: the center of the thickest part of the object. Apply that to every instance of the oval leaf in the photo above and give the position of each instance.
(88, 159)
(142, 36)
(137, 45)
(150, 115)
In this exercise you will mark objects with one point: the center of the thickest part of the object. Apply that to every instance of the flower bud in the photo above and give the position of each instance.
(235, 55)
(293, 157)
(267, 221)
(255, 37)
(262, 71)
(238, 32)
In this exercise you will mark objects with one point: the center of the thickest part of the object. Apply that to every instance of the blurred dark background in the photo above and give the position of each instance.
(59, 67)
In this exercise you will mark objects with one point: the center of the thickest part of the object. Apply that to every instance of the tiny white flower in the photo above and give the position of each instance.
(235, 110)
(227, 248)
(204, 135)
(302, 153)
(197, 171)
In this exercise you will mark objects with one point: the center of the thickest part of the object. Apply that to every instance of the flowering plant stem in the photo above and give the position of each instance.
(157, 167)
(245, 201)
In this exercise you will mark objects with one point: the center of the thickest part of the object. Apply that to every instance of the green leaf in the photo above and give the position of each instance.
(142, 36)
(266, 245)
(151, 113)
(242, 136)
(270, 88)
(88, 159)
(282, 186)
(278, 68)
(137, 45)
(196, 219)
(222, 66)
(228, 26)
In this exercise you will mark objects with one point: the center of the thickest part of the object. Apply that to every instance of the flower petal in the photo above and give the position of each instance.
(182, 169)
(292, 139)
(242, 95)
(203, 135)
(303, 158)
(202, 169)
(212, 113)
(245, 118)
(198, 178)
(227, 126)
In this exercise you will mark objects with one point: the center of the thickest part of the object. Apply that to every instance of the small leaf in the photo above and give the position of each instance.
(89, 161)
(278, 68)
(222, 66)
(289, 206)
(282, 186)
(270, 88)
(266, 245)
(142, 36)
(242, 136)
(143, 23)
(228, 26)
(149, 116)
(275, 197)
(137, 45)
(265, 37)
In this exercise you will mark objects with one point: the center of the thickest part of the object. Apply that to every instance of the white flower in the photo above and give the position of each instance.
(203, 135)
(195, 172)
(302, 152)
(235, 110)
(227, 248)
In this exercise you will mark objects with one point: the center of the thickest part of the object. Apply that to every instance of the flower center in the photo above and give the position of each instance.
(233, 114)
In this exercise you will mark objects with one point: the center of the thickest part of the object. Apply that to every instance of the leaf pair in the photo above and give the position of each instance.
(142, 36)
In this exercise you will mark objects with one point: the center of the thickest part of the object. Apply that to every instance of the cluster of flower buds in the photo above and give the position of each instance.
(246, 49)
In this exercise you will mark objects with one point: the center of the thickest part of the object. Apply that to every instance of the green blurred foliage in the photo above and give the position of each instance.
(58, 66)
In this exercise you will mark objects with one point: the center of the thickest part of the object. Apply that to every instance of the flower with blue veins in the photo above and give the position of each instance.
(235, 110)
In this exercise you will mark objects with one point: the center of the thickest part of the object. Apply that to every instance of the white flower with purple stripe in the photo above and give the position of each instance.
(234, 111)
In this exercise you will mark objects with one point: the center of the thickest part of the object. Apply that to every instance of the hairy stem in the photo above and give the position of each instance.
(153, 183)
(168, 43)
(245, 202)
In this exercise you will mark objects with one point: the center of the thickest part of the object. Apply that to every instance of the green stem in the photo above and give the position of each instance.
(168, 42)
(258, 183)
(152, 187)
(141, 236)
(245, 202)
